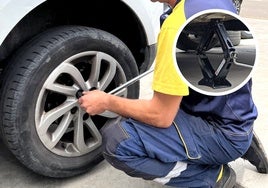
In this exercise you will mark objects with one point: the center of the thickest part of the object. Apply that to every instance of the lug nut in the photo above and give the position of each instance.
(79, 93)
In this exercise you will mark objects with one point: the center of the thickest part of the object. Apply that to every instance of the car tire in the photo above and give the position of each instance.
(42, 122)
(237, 4)
(188, 42)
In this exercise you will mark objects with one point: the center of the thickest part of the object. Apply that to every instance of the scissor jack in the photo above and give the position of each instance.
(216, 78)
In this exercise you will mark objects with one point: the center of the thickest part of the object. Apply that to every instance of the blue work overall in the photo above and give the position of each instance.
(208, 131)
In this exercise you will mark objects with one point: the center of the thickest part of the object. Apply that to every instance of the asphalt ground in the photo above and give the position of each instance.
(14, 175)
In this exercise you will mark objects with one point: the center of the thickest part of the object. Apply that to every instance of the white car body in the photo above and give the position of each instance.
(12, 11)
(58, 48)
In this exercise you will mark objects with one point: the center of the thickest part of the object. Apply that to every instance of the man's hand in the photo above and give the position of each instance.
(158, 111)
(94, 102)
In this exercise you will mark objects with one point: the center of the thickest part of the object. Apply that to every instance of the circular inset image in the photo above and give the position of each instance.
(210, 54)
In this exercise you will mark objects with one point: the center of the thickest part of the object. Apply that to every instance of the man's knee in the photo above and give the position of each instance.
(114, 150)
(112, 135)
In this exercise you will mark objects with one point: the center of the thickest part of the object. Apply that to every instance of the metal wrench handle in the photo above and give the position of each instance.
(130, 82)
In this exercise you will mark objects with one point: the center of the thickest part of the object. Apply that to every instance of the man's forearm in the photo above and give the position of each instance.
(158, 111)
(138, 109)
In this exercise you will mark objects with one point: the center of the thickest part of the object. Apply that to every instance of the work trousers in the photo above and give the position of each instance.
(187, 154)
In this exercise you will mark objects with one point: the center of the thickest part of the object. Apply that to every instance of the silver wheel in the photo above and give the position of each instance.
(42, 120)
(63, 127)
(237, 4)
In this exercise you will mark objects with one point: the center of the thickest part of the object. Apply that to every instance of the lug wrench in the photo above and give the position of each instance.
(79, 93)
(130, 82)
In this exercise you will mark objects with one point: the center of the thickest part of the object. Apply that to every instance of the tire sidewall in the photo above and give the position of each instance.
(41, 159)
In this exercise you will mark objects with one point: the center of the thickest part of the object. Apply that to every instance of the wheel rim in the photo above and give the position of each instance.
(237, 4)
(62, 126)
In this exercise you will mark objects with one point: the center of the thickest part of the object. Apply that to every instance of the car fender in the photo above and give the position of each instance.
(15, 10)
(148, 16)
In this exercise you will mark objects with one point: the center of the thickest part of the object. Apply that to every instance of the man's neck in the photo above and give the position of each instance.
(173, 3)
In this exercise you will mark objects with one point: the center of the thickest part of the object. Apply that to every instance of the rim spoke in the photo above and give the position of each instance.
(76, 75)
(108, 75)
(95, 71)
(109, 114)
(97, 139)
(48, 118)
(68, 69)
(62, 89)
(61, 129)
(79, 140)
(80, 143)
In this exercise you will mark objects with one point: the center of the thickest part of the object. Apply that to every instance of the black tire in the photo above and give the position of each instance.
(237, 4)
(188, 42)
(41, 81)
